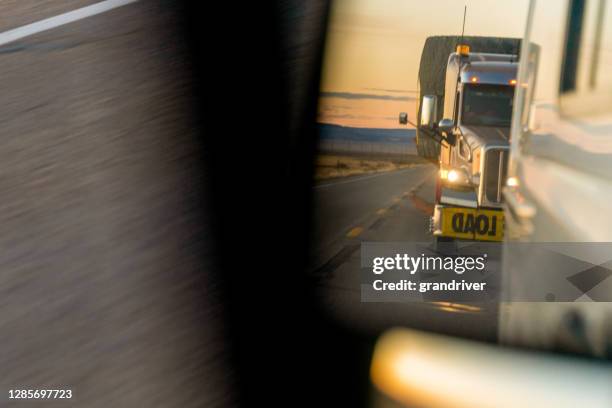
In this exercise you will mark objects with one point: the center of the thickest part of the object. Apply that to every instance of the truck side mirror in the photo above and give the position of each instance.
(446, 127)
(429, 107)
(403, 118)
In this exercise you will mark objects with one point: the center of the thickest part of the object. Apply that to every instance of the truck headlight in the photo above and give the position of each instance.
(453, 176)
(512, 181)
(456, 176)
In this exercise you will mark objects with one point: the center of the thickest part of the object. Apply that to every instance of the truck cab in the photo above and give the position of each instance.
(474, 137)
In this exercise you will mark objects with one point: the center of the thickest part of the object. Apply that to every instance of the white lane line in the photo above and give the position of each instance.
(353, 180)
(60, 20)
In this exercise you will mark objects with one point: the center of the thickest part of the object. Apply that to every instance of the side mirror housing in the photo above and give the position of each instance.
(403, 118)
(429, 111)
(446, 127)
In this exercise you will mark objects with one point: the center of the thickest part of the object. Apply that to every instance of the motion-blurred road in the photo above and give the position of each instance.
(384, 207)
(98, 252)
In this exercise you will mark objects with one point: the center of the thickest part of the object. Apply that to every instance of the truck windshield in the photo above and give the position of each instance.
(487, 105)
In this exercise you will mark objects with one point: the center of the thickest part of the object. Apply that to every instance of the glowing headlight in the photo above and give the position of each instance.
(512, 182)
(453, 176)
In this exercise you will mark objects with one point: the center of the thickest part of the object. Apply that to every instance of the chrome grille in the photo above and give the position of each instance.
(495, 170)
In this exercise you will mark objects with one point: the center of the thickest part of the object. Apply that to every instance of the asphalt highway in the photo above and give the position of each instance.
(347, 205)
(384, 207)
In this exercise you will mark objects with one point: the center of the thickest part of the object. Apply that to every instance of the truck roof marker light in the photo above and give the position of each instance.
(463, 49)
(512, 82)
(474, 79)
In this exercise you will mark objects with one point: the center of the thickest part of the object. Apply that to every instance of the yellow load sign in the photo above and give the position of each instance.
(468, 223)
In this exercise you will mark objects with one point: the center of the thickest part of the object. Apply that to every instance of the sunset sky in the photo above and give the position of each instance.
(374, 47)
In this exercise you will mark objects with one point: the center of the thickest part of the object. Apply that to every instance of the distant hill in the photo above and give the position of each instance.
(337, 132)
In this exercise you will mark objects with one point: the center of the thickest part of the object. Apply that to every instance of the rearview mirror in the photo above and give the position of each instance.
(429, 112)
(446, 127)
(403, 118)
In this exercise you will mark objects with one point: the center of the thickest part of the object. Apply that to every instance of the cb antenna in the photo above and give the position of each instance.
(460, 46)
(460, 41)
(463, 28)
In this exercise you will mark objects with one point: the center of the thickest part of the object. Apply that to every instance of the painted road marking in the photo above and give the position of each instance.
(60, 20)
(458, 306)
(355, 232)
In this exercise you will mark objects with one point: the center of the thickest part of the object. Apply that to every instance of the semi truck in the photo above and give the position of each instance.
(557, 199)
(466, 92)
